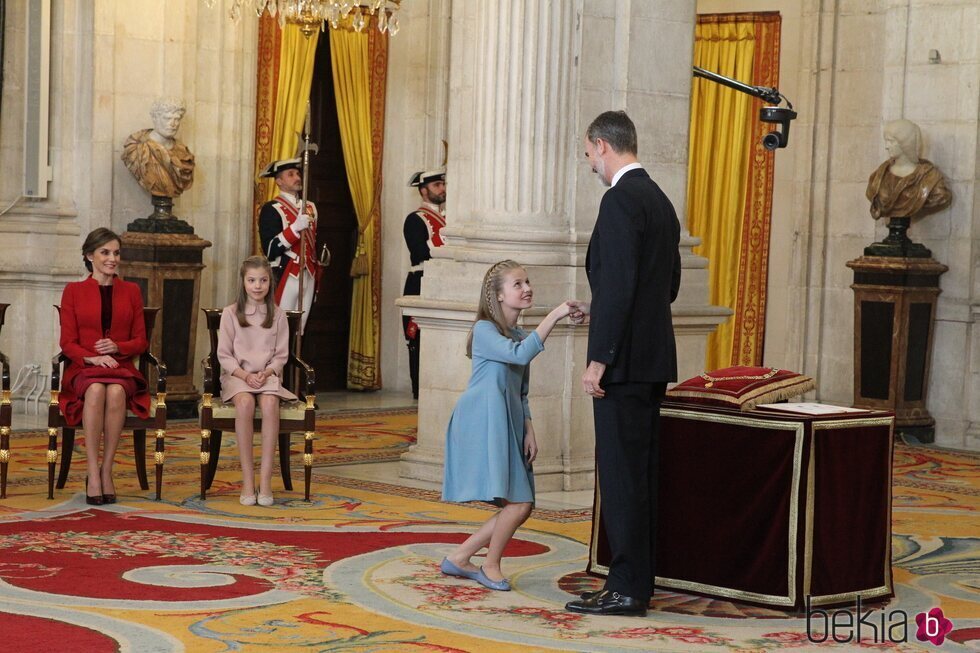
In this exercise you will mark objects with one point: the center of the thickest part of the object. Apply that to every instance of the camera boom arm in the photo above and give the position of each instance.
(770, 95)
(771, 114)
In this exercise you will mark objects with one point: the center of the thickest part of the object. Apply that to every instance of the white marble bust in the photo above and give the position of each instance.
(161, 163)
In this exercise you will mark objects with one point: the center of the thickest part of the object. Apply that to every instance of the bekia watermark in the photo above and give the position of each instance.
(876, 626)
(933, 626)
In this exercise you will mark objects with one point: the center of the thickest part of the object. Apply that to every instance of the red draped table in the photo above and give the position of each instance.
(769, 507)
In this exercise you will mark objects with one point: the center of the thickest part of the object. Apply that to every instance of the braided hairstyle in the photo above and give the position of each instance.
(489, 308)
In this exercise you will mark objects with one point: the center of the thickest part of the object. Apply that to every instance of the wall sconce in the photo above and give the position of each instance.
(934, 56)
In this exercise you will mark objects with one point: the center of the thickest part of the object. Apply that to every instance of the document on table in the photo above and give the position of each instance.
(807, 408)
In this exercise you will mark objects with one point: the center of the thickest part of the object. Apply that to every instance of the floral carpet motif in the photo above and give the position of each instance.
(357, 568)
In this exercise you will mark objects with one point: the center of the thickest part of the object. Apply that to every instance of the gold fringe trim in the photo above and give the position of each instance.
(769, 393)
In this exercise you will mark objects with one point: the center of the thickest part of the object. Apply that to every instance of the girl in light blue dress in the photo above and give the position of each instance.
(490, 442)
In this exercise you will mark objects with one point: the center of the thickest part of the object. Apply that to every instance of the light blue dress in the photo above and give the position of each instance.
(485, 438)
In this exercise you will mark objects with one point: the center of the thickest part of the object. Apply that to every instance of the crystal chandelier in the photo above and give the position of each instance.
(313, 15)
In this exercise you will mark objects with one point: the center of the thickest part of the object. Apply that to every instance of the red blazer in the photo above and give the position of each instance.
(81, 327)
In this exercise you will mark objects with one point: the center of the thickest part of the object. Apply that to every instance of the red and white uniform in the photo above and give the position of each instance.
(281, 245)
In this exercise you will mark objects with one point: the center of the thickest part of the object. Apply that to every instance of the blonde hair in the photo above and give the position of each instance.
(489, 308)
(251, 263)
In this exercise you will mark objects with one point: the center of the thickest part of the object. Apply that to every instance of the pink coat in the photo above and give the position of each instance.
(252, 349)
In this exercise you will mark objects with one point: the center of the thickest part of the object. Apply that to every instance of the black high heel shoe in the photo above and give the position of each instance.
(97, 500)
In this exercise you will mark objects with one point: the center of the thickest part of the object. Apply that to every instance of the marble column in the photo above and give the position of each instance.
(521, 94)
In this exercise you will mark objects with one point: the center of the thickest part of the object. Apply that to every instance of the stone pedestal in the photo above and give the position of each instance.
(898, 243)
(894, 311)
(167, 268)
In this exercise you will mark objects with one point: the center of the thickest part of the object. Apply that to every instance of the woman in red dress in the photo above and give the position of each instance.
(102, 331)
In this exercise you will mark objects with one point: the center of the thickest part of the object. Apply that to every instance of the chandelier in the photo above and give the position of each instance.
(313, 15)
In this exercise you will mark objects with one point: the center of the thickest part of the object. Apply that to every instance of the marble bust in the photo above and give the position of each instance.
(906, 186)
(162, 164)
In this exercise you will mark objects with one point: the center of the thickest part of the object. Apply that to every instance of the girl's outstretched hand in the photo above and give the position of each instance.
(561, 311)
(579, 313)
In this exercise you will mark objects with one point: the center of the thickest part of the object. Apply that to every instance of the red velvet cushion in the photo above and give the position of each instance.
(741, 387)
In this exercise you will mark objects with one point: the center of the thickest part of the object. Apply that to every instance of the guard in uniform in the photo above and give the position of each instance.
(281, 227)
(421, 230)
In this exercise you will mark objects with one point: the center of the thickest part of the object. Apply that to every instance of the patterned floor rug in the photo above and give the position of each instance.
(342, 437)
(356, 569)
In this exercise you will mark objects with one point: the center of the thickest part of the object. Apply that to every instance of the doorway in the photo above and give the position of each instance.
(325, 343)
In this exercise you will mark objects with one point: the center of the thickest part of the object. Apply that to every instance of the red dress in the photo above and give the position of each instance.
(81, 327)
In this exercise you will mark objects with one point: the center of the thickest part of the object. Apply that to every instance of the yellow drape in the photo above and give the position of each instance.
(296, 55)
(720, 143)
(350, 59)
(266, 81)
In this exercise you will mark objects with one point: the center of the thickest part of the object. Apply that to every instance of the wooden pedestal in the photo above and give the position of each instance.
(167, 268)
(894, 309)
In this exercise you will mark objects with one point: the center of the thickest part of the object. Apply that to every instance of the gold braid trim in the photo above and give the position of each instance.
(746, 377)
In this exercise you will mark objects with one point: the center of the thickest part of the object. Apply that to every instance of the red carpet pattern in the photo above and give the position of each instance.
(356, 569)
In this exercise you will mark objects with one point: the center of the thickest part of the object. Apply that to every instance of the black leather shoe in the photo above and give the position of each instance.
(606, 602)
(585, 596)
(97, 500)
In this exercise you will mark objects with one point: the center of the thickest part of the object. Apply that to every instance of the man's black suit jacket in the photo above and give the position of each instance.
(634, 270)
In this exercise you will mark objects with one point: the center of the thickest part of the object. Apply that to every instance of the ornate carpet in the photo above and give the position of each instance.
(357, 568)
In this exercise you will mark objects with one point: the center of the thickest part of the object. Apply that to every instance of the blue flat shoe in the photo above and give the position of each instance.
(499, 585)
(447, 567)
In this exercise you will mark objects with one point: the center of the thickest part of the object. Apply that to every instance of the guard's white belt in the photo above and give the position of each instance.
(416, 268)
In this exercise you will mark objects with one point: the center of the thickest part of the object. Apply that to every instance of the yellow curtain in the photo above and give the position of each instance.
(720, 143)
(359, 87)
(296, 55)
(753, 261)
(266, 83)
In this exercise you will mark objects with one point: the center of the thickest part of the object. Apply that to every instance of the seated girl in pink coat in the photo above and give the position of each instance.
(253, 347)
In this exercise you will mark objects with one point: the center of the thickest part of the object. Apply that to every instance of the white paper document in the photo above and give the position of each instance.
(807, 408)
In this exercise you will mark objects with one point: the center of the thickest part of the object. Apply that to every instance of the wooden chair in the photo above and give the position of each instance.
(157, 421)
(295, 416)
(5, 413)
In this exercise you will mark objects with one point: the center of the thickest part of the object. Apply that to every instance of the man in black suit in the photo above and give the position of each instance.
(634, 270)
(421, 230)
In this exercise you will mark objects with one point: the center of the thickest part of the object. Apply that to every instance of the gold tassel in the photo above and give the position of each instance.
(360, 266)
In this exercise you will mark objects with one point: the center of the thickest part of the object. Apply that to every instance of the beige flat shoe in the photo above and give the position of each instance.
(247, 500)
(266, 500)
